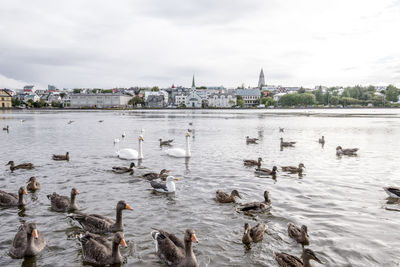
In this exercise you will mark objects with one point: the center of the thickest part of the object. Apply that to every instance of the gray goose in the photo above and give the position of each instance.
(98, 224)
(265, 171)
(153, 175)
(223, 197)
(287, 144)
(33, 184)
(346, 151)
(165, 142)
(257, 206)
(27, 242)
(99, 251)
(251, 162)
(251, 140)
(321, 140)
(5, 128)
(173, 250)
(293, 169)
(287, 260)
(26, 166)
(121, 170)
(11, 199)
(64, 203)
(253, 234)
(61, 157)
(299, 234)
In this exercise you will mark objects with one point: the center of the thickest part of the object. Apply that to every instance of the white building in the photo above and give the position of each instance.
(251, 97)
(222, 100)
(193, 100)
(34, 97)
(180, 99)
(278, 96)
(99, 100)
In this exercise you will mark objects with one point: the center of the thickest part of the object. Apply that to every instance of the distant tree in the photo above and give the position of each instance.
(392, 93)
(155, 89)
(15, 102)
(136, 100)
(201, 87)
(301, 90)
(239, 101)
(77, 91)
(334, 100)
(107, 91)
(62, 95)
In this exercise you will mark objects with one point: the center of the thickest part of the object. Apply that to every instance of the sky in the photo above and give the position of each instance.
(124, 43)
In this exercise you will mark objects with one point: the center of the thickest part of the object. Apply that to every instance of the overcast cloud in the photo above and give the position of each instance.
(96, 43)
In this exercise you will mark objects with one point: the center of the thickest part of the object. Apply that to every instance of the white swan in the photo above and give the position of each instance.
(128, 153)
(179, 152)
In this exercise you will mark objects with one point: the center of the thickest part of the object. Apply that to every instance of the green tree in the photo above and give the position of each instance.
(155, 89)
(62, 95)
(301, 90)
(334, 100)
(77, 91)
(136, 100)
(239, 101)
(15, 102)
(392, 93)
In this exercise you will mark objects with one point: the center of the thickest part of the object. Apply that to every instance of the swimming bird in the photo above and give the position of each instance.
(223, 197)
(251, 140)
(346, 151)
(179, 152)
(61, 157)
(251, 162)
(257, 206)
(287, 144)
(123, 135)
(166, 142)
(116, 140)
(27, 242)
(168, 187)
(98, 224)
(22, 121)
(287, 260)
(100, 121)
(174, 251)
(5, 128)
(265, 171)
(299, 234)
(293, 169)
(321, 140)
(153, 175)
(392, 191)
(253, 234)
(64, 203)
(281, 130)
(70, 122)
(11, 199)
(25, 166)
(33, 184)
(121, 170)
(128, 153)
(97, 250)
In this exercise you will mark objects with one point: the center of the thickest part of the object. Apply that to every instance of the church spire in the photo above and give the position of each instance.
(193, 84)
(261, 79)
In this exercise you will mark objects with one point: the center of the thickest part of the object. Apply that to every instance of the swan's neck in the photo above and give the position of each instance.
(187, 147)
(140, 149)
(171, 186)
(21, 200)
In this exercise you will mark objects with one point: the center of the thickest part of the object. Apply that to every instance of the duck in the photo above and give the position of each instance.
(116, 141)
(257, 206)
(346, 151)
(26, 166)
(251, 162)
(100, 121)
(179, 152)
(28, 241)
(153, 175)
(287, 260)
(70, 122)
(293, 169)
(121, 170)
(321, 140)
(251, 140)
(61, 157)
(168, 187)
(281, 130)
(253, 234)
(97, 250)
(128, 153)
(11, 199)
(64, 203)
(99, 224)
(33, 184)
(5, 128)
(392, 191)
(299, 234)
(287, 144)
(265, 171)
(223, 197)
(165, 142)
(174, 251)
(123, 135)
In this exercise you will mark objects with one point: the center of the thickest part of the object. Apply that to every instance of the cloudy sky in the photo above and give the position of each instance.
(98, 43)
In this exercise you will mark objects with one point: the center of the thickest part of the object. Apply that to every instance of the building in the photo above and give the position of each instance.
(29, 88)
(155, 101)
(32, 96)
(222, 100)
(251, 97)
(193, 100)
(261, 79)
(5, 99)
(105, 100)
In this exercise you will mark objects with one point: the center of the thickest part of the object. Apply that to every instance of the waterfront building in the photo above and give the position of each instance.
(261, 79)
(102, 100)
(5, 99)
(29, 88)
(195, 98)
(251, 97)
(222, 100)
(155, 101)
(32, 96)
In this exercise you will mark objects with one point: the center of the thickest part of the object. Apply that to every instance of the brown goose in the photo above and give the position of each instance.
(61, 157)
(251, 162)
(286, 144)
(257, 206)
(173, 250)
(165, 142)
(299, 234)
(121, 170)
(5, 128)
(27, 242)
(287, 260)
(153, 175)
(99, 224)
(346, 151)
(33, 184)
(97, 250)
(11, 199)
(253, 234)
(251, 140)
(321, 140)
(223, 197)
(26, 166)
(265, 171)
(64, 203)
(293, 169)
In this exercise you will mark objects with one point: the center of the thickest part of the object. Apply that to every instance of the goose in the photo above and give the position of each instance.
(293, 169)
(168, 187)
(286, 144)
(70, 122)
(61, 157)
(257, 206)
(223, 197)
(26, 166)
(121, 170)
(174, 251)
(281, 130)
(321, 140)
(123, 135)
(287, 260)
(251, 140)
(97, 250)
(64, 203)
(11, 199)
(27, 242)
(346, 151)
(165, 142)
(392, 191)
(251, 162)
(265, 171)
(33, 184)
(5, 128)
(128, 153)
(100, 121)
(253, 234)
(179, 152)
(153, 175)
(99, 224)
(299, 234)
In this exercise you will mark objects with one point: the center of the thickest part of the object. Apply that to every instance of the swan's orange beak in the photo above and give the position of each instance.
(25, 193)
(123, 243)
(35, 233)
(128, 207)
(194, 238)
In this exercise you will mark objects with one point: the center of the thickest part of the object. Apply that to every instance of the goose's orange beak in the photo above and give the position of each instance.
(123, 243)
(128, 207)
(194, 238)
(35, 233)
(176, 179)
(25, 193)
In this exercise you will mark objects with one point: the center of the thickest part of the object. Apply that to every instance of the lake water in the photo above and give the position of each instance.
(350, 220)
